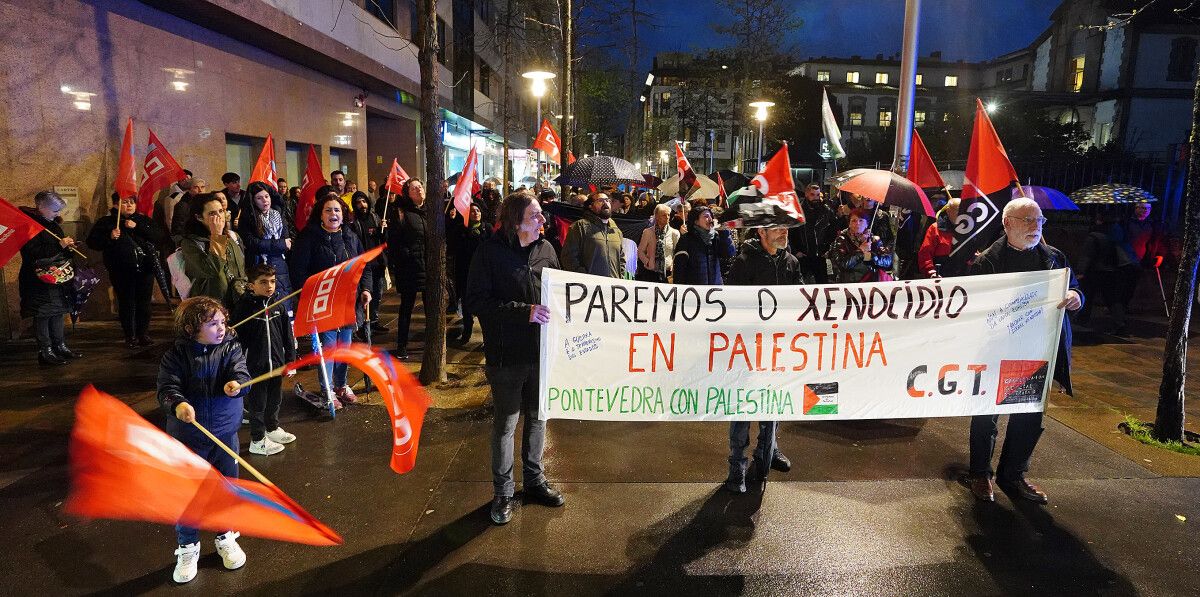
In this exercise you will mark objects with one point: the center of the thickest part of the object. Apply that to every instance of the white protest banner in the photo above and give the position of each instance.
(638, 351)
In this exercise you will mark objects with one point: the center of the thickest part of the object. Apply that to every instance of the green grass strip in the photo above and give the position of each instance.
(1144, 433)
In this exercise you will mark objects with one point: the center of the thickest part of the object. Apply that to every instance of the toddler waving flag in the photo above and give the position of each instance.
(123, 467)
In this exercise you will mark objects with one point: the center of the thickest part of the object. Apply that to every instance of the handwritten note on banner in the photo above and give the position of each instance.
(627, 350)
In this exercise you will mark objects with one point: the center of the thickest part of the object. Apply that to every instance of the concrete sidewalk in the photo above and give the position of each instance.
(870, 507)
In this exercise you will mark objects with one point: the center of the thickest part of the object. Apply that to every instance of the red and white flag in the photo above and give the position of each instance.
(548, 141)
(774, 181)
(162, 171)
(264, 169)
(124, 468)
(16, 229)
(462, 189)
(126, 182)
(314, 178)
(328, 299)
(687, 176)
(396, 177)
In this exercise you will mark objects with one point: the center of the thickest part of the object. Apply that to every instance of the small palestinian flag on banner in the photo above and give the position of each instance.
(821, 398)
(1022, 382)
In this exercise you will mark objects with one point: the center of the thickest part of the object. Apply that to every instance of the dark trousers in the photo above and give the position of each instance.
(49, 331)
(224, 463)
(375, 285)
(515, 391)
(648, 275)
(739, 438)
(1114, 288)
(133, 292)
(408, 301)
(263, 405)
(468, 318)
(1024, 429)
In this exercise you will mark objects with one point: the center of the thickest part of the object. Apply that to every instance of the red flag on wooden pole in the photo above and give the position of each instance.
(162, 171)
(16, 229)
(264, 169)
(314, 178)
(126, 182)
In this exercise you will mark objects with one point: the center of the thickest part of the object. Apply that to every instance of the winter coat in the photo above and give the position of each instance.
(221, 278)
(406, 247)
(463, 242)
(849, 264)
(271, 251)
(699, 262)
(267, 339)
(594, 247)
(366, 226)
(818, 231)
(999, 258)
(163, 215)
(121, 256)
(753, 266)
(39, 299)
(648, 248)
(197, 373)
(505, 279)
(1106, 249)
(934, 250)
(317, 250)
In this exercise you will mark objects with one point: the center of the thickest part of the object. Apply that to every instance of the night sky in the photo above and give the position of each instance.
(962, 29)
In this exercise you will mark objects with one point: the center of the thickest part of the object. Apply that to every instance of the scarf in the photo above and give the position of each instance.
(272, 224)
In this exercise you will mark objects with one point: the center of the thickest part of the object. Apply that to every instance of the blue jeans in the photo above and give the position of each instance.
(739, 438)
(336, 372)
(206, 449)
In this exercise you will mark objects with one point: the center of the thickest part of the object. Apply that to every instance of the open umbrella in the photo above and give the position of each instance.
(651, 181)
(82, 285)
(1046, 197)
(599, 170)
(708, 187)
(1111, 194)
(733, 180)
(953, 179)
(885, 187)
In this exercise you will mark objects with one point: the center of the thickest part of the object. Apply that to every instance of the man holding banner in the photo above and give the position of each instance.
(1021, 250)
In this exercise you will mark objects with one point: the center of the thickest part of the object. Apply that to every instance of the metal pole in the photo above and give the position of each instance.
(760, 145)
(537, 165)
(908, 82)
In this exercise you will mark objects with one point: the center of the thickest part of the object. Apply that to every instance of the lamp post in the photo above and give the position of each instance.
(760, 114)
(662, 162)
(538, 80)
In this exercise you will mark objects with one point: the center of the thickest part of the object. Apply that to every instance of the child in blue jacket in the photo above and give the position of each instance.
(199, 380)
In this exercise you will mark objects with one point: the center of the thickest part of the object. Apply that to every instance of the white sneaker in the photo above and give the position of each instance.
(279, 436)
(265, 447)
(186, 558)
(229, 550)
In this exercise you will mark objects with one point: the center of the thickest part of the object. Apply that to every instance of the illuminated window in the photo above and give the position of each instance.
(951, 81)
(822, 75)
(1077, 74)
(920, 79)
(919, 118)
(852, 76)
(946, 117)
(885, 117)
(881, 78)
(856, 118)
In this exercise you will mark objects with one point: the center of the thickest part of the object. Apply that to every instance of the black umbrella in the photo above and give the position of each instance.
(160, 275)
(1111, 194)
(732, 180)
(600, 170)
(631, 226)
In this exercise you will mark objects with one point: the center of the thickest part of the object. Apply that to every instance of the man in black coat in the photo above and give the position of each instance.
(1020, 250)
(763, 260)
(811, 241)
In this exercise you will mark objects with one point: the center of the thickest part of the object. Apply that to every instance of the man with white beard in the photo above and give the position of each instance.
(1020, 250)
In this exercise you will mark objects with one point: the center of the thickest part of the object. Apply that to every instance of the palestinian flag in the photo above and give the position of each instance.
(821, 398)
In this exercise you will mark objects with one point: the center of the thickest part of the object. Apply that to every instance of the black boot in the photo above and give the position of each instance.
(48, 357)
(62, 351)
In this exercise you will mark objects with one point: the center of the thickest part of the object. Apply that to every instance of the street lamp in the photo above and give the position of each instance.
(991, 106)
(662, 159)
(538, 79)
(760, 114)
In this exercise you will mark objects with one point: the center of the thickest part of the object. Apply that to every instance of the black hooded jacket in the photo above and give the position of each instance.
(504, 281)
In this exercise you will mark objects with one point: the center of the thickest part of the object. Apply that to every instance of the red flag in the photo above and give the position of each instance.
(687, 176)
(404, 396)
(314, 178)
(328, 298)
(570, 158)
(126, 183)
(548, 141)
(721, 189)
(396, 177)
(122, 467)
(161, 172)
(264, 168)
(921, 169)
(988, 167)
(16, 229)
(774, 181)
(463, 192)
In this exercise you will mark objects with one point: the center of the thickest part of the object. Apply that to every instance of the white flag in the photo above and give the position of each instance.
(830, 126)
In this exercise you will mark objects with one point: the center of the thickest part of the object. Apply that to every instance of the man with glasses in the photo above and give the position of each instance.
(1022, 249)
(594, 244)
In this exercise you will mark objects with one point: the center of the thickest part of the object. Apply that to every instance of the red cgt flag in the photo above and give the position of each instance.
(775, 181)
(988, 167)
(328, 299)
(16, 229)
(124, 468)
(264, 168)
(921, 169)
(403, 395)
(162, 171)
(463, 191)
(396, 177)
(548, 141)
(314, 178)
(687, 176)
(126, 183)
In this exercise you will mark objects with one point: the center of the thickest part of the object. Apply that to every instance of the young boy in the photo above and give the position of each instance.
(199, 380)
(267, 342)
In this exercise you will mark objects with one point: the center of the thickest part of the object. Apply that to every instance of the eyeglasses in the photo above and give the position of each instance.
(1039, 220)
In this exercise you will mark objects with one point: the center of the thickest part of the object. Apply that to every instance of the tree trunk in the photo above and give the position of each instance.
(433, 365)
(1168, 421)
(504, 98)
(566, 19)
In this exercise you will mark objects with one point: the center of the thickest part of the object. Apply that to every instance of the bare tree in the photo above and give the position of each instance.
(433, 365)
